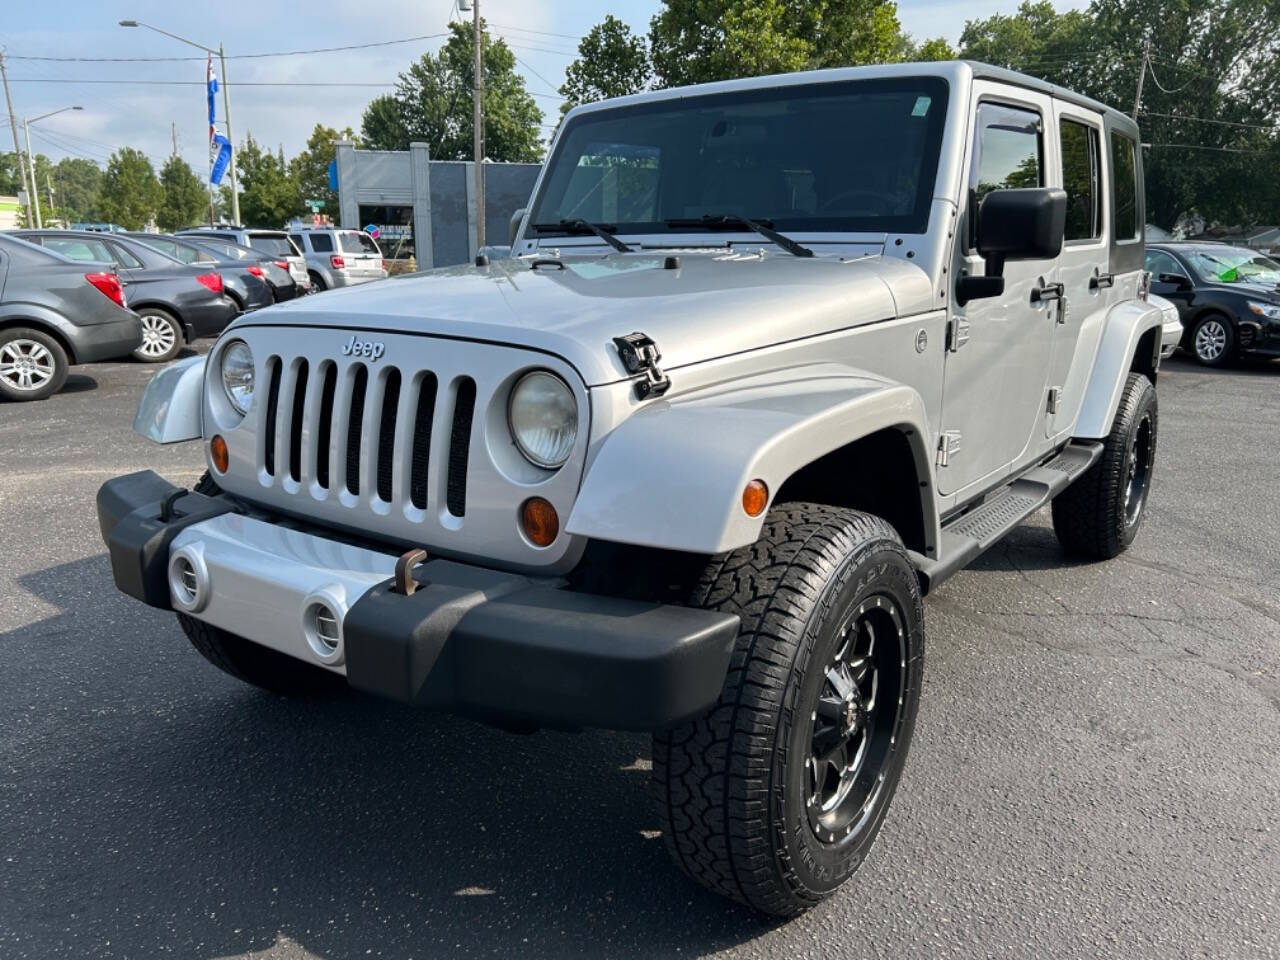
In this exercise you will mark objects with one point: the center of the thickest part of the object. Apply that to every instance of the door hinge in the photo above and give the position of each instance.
(957, 333)
(640, 355)
(1055, 397)
(948, 447)
(1062, 310)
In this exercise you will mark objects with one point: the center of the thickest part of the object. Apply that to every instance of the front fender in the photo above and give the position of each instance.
(671, 476)
(1125, 326)
(170, 409)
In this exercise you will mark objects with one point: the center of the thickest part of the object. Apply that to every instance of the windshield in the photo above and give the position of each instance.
(356, 242)
(1233, 265)
(275, 244)
(857, 156)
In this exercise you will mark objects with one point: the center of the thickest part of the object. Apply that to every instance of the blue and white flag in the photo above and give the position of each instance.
(211, 81)
(221, 158)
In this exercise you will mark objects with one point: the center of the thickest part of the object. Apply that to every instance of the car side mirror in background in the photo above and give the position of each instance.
(1176, 279)
(1021, 224)
(516, 219)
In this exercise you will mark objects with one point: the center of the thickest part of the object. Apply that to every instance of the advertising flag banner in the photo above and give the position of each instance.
(221, 159)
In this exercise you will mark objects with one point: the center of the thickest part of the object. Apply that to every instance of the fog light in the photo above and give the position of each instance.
(539, 521)
(755, 497)
(322, 628)
(219, 454)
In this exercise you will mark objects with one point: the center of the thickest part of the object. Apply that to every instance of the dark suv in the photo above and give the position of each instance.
(1228, 298)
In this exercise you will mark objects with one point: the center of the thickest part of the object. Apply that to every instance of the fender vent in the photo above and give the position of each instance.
(460, 446)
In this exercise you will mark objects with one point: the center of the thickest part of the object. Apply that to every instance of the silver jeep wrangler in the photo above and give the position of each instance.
(771, 359)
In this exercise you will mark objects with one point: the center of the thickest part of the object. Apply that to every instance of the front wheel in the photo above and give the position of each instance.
(776, 795)
(1099, 515)
(161, 336)
(1213, 341)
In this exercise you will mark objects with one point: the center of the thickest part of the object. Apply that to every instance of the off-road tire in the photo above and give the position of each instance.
(1090, 517)
(22, 338)
(251, 662)
(733, 784)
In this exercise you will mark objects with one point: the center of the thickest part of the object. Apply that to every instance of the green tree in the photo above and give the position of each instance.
(268, 194)
(130, 191)
(77, 183)
(433, 102)
(381, 125)
(185, 197)
(310, 168)
(612, 62)
(696, 41)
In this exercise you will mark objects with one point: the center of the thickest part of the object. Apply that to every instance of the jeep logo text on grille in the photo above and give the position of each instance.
(363, 348)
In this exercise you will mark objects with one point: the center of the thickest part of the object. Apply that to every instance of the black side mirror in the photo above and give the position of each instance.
(516, 219)
(1176, 279)
(1021, 224)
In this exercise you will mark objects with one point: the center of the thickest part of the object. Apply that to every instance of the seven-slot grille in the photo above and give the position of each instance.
(365, 431)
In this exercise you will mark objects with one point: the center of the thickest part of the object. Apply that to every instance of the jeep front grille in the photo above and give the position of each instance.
(412, 448)
(370, 413)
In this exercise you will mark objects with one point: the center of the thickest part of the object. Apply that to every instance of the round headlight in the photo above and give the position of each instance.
(544, 419)
(237, 376)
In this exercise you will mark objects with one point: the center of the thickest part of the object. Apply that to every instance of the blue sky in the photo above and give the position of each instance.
(541, 32)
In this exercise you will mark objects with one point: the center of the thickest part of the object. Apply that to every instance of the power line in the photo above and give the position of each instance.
(536, 74)
(1198, 146)
(201, 83)
(1222, 123)
(541, 33)
(237, 56)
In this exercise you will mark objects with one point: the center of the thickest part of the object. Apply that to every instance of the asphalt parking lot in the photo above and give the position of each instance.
(1095, 770)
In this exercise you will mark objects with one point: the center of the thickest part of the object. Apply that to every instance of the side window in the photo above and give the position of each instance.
(1008, 154)
(1159, 262)
(321, 243)
(1124, 189)
(124, 258)
(297, 241)
(1081, 166)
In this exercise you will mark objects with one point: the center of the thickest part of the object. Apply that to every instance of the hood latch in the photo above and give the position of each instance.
(640, 355)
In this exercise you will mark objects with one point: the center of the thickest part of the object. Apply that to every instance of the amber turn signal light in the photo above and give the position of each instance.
(219, 453)
(539, 521)
(755, 497)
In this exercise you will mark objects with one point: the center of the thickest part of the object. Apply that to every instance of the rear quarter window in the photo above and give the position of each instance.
(356, 242)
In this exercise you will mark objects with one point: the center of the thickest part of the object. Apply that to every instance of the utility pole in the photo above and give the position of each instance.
(33, 199)
(477, 95)
(13, 125)
(1142, 77)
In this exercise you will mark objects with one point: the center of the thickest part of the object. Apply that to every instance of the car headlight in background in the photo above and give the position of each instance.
(1268, 310)
(543, 416)
(237, 376)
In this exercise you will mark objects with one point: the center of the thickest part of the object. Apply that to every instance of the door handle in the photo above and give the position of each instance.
(1102, 280)
(1050, 291)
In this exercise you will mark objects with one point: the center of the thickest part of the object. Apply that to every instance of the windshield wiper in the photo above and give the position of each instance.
(604, 231)
(728, 221)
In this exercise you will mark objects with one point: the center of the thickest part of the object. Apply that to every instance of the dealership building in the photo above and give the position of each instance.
(426, 208)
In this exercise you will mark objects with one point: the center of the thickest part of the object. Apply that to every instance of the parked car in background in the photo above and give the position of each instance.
(1228, 298)
(244, 282)
(55, 312)
(274, 270)
(177, 302)
(1171, 332)
(273, 243)
(339, 258)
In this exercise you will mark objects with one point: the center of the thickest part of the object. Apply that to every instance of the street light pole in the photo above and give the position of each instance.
(226, 100)
(34, 204)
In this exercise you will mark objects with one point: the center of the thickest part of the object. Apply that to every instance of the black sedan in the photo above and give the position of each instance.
(244, 283)
(1227, 297)
(176, 302)
(55, 312)
(274, 270)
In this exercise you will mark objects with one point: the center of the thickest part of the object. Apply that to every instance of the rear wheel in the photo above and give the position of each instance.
(33, 365)
(1099, 515)
(161, 336)
(317, 282)
(776, 795)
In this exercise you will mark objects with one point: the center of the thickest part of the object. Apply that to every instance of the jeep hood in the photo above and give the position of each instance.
(714, 303)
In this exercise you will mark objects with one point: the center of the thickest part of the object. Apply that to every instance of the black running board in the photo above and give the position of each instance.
(971, 534)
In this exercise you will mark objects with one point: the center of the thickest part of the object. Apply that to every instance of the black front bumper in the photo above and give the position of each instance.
(490, 644)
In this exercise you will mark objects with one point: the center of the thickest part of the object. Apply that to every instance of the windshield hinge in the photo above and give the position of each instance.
(948, 447)
(640, 355)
